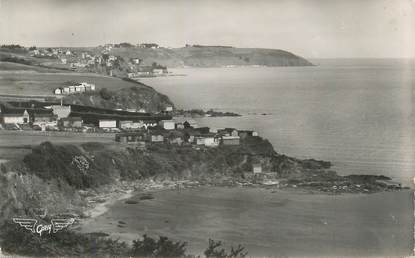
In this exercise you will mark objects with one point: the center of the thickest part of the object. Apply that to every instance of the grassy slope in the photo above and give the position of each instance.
(211, 56)
(21, 79)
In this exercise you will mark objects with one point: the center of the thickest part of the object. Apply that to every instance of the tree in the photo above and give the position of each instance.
(163, 247)
(105, 94)
(215, 250)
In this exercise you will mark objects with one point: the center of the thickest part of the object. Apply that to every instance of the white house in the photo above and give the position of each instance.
(104, 123)
(256, 168)
(16, 118)
(158, 71)
(167, 124)
(211, 141)
(169, 109)
(157, 138)
(58, 91)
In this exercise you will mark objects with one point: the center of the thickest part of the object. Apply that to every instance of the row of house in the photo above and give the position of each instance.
(167, 131)
(72, 89)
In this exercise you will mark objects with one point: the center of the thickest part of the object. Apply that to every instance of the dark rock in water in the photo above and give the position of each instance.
(121, 222)
(131, 202)
(97, 234)
(146, 197)
(315, 164)
(365, 178)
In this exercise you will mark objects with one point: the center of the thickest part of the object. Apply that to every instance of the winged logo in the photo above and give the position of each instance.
(28, 224)
(33, 226)
(59, 224)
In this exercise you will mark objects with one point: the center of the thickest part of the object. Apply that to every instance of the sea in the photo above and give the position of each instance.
(356, 113)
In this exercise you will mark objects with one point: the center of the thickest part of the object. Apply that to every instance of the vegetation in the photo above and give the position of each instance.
(12, 46)
(215, 250)
(61, 162)
(105, 94)
(19, 241)
(163, 247)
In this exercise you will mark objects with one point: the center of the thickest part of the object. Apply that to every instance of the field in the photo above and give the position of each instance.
(30, 80)
(15, 144)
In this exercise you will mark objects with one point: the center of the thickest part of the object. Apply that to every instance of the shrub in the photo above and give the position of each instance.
(215, 250)
(163, 247)
(105, 94)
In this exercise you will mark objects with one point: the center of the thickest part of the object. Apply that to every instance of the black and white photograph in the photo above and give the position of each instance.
(207, 128)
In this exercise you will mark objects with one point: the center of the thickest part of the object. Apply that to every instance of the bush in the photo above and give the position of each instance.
(105, 94)
(215, 250)
(163, 247)
(67, 163)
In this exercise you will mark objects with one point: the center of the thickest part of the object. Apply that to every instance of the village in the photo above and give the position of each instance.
(103, 62)
(130, 126)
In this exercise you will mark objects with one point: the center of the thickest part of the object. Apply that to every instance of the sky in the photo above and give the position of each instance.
(309, 28)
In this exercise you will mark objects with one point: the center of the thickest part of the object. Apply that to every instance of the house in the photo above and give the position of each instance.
(158, 71)
(167, 124)
(15, 117)
(71, 89)
(64, 60)
(228, 132)
(41, 116)
(174, 137)
(256, 168)
(65, 90)
(140, 137)
(58, 91)
(68, 52)
(208, 141)
(230, 140)
(131, 125)
(61, 111)
(106, 123)
(169, 109)
(70, 122)
(157, 138)
(80, 88)
(184, 122)
(136, 61)
(246, 133)
(202, 130)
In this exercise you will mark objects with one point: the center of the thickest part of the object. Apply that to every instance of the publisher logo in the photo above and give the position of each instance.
(37, 228)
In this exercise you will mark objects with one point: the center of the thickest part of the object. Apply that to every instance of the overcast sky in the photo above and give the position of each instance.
(314, 29)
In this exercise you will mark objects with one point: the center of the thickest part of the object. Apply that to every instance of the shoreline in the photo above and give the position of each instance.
(289, 208)
(101, 203)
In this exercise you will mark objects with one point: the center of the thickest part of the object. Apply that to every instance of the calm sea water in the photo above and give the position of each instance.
(355, 113)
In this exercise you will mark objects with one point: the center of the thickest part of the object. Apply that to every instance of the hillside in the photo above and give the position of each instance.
(34, 80)
(138, 96)
(194, 56)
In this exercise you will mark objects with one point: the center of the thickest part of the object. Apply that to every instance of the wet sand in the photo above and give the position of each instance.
(269, 223)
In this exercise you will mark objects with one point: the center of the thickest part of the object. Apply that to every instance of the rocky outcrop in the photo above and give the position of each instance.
(138, 96)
